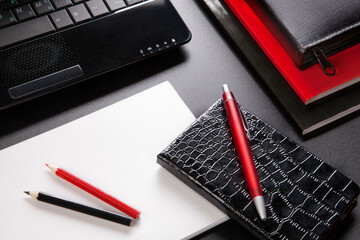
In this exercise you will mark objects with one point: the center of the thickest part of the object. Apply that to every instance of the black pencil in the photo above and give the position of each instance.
(43, 197)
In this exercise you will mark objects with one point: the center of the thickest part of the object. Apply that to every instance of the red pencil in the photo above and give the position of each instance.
(132, 212)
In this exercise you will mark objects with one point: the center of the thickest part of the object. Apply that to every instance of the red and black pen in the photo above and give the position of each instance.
(238, 128)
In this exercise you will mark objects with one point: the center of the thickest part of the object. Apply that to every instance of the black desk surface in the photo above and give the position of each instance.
(197, 71)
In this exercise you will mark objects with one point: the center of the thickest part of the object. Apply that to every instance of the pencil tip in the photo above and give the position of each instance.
(27, 192)
(52, 167)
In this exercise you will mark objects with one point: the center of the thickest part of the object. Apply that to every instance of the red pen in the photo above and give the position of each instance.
(238, 128)
(132, 212)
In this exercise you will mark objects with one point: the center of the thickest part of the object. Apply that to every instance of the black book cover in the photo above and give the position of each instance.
(305, 197)
(303, 26)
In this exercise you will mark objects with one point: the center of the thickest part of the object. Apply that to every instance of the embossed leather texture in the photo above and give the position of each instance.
(302, 25)
(304, 196)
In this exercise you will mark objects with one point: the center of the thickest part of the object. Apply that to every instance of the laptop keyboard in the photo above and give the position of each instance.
(24, 19)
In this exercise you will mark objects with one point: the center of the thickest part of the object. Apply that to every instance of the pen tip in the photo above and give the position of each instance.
(260, 207)
(27, 192)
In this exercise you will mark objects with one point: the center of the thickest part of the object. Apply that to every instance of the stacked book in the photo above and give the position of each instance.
(306, 53)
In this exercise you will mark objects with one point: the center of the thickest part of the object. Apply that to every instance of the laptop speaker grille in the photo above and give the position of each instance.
(34, 59)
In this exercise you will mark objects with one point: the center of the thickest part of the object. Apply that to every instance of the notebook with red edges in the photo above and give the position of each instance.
(305, 197)
(311, 84)
(309, 119)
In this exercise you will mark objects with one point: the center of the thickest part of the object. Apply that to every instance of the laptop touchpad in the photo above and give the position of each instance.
(44, 83)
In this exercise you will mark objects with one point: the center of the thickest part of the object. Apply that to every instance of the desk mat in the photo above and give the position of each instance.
(305, 197)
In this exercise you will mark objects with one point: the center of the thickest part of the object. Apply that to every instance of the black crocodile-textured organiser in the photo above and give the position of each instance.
(304, 196)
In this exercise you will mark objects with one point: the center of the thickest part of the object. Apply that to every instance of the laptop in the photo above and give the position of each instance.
(46, 45)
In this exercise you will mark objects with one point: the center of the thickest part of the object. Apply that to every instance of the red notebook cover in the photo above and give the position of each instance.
(311, 84)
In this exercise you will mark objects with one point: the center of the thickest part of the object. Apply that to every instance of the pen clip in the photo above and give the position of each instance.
(244, 122)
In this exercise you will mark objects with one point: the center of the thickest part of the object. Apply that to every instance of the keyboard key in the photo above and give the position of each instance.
(61, 19)
(62, 3)
(77, 1)
(132, 2)
(22, 2)
(7, 18)
(79, 13)
(97, 7)
(24, 12)
(6, 4)
(115, 4)
(25, 30)
(43, 6)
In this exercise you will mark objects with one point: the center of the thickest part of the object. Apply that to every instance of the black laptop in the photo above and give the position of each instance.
(46, 45)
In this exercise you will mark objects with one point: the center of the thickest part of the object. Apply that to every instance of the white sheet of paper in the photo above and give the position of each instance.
(114, 149)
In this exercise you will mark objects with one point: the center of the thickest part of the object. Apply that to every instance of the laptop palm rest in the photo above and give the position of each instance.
(46, 82)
